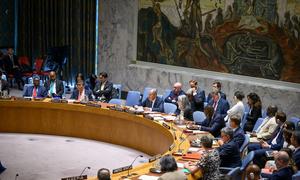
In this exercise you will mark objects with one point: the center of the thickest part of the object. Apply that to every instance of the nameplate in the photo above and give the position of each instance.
(166, 126)
(154, 158)
(93, 105)
(172, 147)
(75, 178)
(125, 168)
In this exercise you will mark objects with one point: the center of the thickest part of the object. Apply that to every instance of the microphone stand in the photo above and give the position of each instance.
(133, 174)
(16, 177)
(84, 170)
(179, 151)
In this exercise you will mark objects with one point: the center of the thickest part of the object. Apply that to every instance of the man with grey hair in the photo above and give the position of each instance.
(284, 171)
(153, 103)
(229, 151)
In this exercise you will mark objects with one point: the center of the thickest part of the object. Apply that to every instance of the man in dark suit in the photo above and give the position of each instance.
(36, 91)
(275, 143)
(213, 123)
(216, 87)
(173, 96)
(103, 89)
(220, 105)
(229, 151)
(54, 87)
(12, 66)
(81, 93)
(153, 103)
(238, 132)
(3, 84)
(295, 139)
(284, 171)
(2, 168)
(196, 96)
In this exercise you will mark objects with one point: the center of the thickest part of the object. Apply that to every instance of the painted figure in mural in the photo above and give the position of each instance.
(195, 16)
(288, 25)
(296, 27)
(208, 25)
(157, 31)
(219, 18)
(228, 13)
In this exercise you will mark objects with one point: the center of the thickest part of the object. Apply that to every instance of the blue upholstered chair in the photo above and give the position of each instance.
(119, 88)
(133, 98)
(116, 101)
(169, 108)
(257, 124)
(199, 116)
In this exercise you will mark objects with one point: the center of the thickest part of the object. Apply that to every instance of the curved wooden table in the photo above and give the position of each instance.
(91, 123)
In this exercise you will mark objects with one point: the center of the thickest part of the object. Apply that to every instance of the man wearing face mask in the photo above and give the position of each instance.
(54, 87)
(216, 87)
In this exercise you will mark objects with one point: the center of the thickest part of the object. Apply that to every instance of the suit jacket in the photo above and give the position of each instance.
(209, 97)
(213, 126)
(267, 128)
(4, 86)
(173, 96)
(284, 173)
(175, 175)
(230, 154)
(279, 140)
(296, 158)
(252, 118)
(41, 92)
(197, 103)
(107, 91)
(87, 92)
(222, 107)
(239, 136)
(59, 87)
(158, 104)
(8, 64)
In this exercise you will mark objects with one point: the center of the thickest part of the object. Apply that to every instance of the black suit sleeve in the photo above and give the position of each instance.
(60, 88)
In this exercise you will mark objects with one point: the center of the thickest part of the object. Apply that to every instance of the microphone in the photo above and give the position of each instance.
(84, 170)
(16, 176)
(128, 175)
(179, 151)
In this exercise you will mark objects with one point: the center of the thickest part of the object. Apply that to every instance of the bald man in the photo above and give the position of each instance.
(173, 96)
(284, 171)
(54, 87)
(153, 103)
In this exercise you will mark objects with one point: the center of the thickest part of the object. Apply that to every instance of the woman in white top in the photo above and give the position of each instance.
(238, 108)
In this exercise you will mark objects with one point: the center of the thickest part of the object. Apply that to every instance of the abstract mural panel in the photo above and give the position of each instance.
(258, 38)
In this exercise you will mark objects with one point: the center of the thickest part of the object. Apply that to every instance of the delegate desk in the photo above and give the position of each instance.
(87, 122)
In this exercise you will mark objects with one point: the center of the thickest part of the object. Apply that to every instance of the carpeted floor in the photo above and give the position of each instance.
(45, 157)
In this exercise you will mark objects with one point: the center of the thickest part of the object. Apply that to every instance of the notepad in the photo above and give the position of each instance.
(147, 177)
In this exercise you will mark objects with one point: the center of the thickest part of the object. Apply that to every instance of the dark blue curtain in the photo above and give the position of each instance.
(43, 24)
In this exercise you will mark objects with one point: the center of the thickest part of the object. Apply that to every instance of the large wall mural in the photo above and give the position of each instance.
(259, 38)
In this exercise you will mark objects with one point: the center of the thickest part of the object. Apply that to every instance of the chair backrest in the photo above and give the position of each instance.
(296, 122)
(244, 120)
(169, 108)
(296, 176)
(38, 64)
(247, 160)
(166, 94)
(257, 124)
(263, 113)
(116, 101)
(247, 108)
(133, 98)
(198, 116)
(234, 174)
(146, 92)
(25, 87)
(245, 143)
(118, 87)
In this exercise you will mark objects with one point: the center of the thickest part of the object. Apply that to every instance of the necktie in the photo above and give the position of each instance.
(34, 92)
